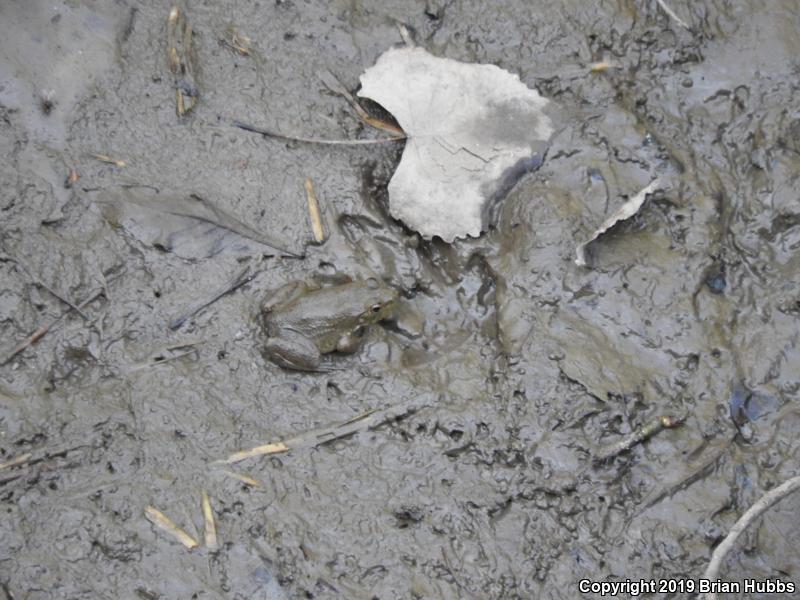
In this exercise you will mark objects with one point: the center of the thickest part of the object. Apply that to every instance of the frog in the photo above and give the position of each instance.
(304, 321)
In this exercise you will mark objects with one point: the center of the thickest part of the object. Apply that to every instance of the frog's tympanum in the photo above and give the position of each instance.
(303, 323)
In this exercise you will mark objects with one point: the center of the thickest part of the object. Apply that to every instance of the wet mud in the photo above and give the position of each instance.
(507, 367)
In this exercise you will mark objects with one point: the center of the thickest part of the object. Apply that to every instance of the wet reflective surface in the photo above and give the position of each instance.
(518, 364)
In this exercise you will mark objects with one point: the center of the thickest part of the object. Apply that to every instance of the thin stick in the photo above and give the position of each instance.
(40, 333)
(242, 277)
(672, 14)
(42, 284)
(164, 359)
(314, 213)
(765, 503)
(333, 84)
(291, 138)
(16, 461)
(318, 437)
(637, 437)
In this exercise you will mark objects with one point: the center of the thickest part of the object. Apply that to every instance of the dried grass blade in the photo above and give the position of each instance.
(274, 448)
(246, 479)
(314, 213)
(16, 461)
(160, 520)
(210, 527)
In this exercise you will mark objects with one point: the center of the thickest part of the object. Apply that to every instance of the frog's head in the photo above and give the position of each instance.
(379, 301)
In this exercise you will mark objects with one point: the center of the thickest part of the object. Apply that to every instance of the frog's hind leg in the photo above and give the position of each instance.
(293, 351)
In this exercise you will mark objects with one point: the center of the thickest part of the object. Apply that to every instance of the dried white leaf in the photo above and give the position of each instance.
(472, 131)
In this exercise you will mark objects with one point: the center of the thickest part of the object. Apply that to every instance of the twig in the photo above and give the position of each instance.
(158, 358)
(35, 457)
(333, 84)
(197, 207)
(450, 570)
(40, 333)
(637, 437)
(762, 505)
(368, 420)
(242, 277)
(42, 284)
(672, 14)
(291, 138)
(16, 461)
(181, 60)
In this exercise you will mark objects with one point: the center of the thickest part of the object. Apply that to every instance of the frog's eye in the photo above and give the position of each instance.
(376, 308)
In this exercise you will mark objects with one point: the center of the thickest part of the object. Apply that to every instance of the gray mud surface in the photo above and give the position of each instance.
(507, 366)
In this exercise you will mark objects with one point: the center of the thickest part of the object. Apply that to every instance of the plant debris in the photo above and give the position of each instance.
(181, 61)
(189, 226)
(237, 42)
(160, 520)
(637, 437)
(671, 14)
(626, 211)
(245, 479)
(16, 461)
(72, 178)
(242, 277)
(334, 85)
(272, 448)
(314, 213)
(472, 129)
(318, 437)
(210, 525)
(761, 506)
(42, 331)
(112, 161)
(307, 140)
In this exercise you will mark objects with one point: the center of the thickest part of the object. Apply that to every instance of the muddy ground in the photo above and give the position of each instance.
(507, 366)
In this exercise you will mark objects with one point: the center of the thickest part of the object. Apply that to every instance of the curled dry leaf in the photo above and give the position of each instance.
(626, 211)
(472, 130)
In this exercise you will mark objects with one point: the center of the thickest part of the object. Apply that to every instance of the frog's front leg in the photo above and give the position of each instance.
(350, 342)
(292, 350)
